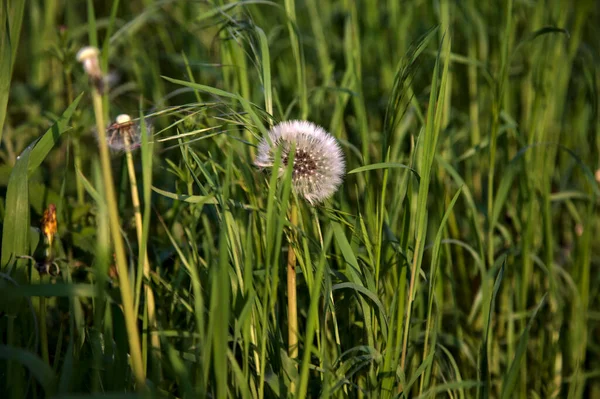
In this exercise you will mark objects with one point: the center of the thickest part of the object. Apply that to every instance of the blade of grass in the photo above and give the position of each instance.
(432, 131)
(511, 377)
(15, 229)
(11, 19)
(483, 367)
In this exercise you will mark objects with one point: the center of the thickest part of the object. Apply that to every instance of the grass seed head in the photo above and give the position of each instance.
(319, 164)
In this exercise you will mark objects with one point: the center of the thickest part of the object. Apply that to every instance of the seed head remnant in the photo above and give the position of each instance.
(124, 134)
(88, 56)
(49, 224)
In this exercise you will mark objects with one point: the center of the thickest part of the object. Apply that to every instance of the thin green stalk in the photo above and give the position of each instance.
(78, 166)
(290, 9)
(76, 143)
(495, 125)
(43, 329)
(291, 291)
(312, 319)
(115, 228)
(150, 302)
(431, 132)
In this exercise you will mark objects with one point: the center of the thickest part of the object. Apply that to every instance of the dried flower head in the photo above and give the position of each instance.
(318, 160)
(49, 224)
(88, 56)
(124, 134)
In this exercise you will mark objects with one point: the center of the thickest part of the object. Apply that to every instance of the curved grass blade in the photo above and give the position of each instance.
(50, 138)
(510, 379)
(192, 199)
(385, 165)
(483, 367)
(51, 290)
(15, 231)
(37, 367)
(11, 19)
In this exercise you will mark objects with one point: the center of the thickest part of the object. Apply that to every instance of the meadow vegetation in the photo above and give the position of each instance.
(457, 258)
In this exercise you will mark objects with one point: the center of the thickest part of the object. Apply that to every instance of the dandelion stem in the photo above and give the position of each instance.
(44, 329)
(124, 285)
(150, 303)
(291, 290)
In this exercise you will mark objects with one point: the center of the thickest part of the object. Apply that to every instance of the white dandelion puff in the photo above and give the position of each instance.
(319, 164)
(88, 56)
(124, 134)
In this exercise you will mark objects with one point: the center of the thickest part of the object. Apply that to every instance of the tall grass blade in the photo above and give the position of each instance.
(511, 377)
(11, 19)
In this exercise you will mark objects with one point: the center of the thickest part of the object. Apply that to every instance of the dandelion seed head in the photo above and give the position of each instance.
(124, 134)
(88, 56)
(87, 53)
(319, 163)
(123, 118)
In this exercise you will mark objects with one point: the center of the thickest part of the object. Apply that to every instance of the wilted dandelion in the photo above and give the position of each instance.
(49, 225)
(88, 56)
(318, 161)
(124, 134)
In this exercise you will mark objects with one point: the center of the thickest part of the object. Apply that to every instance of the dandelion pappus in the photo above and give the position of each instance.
(124, 134)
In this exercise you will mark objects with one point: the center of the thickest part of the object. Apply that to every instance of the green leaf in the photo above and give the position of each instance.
(484, 373)
(109, 395)
(510, 378)
(50, 138)
(11, 19)
(384, 165)
(36, 366)
(51, 290)
(15, 232)
(192, 199)
(360, 289)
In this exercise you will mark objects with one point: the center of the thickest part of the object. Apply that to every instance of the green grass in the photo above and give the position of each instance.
(458, 259)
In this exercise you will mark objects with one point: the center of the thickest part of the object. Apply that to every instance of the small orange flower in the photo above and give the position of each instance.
(49, 225)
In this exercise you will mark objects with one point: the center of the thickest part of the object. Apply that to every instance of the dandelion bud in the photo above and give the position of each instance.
(49, 224)
(318, 160)
(88, 56)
